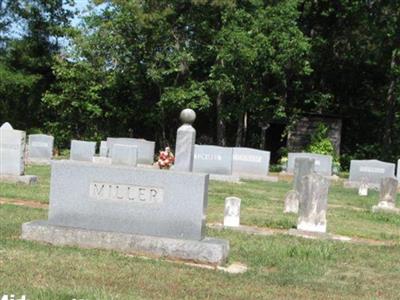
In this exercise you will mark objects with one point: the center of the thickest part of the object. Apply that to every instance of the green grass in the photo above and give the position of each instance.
(38, 192)
(280, 266)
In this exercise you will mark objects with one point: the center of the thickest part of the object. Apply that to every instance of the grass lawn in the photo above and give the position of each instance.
(280, 266)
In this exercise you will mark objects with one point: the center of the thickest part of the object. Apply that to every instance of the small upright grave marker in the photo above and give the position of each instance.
(232, 212)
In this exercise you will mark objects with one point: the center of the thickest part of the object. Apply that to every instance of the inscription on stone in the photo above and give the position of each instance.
(372, 170)
(127, 193)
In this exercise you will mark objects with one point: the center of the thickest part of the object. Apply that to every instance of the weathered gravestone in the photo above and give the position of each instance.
(185, 141)
(82, 150)
(135, 210)
(387, 196)
(302, 167)
(291, 202)
(12, 150)
(371, 171)
(125, 155)
(313, 203)
(212, 159)
(323, 163)
(232, 212)
(145, 148)
(40, 148)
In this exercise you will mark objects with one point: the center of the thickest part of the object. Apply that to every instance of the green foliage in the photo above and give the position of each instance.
(320, 142)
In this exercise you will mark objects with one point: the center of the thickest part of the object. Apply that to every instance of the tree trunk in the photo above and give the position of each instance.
(239, 131)
(390, 110)
(221, 140)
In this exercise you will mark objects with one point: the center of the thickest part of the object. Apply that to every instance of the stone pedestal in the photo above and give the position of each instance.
(185, 141)
(209, 250)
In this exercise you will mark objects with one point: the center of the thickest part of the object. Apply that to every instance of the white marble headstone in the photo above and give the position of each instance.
(12, 149)
(232, 212)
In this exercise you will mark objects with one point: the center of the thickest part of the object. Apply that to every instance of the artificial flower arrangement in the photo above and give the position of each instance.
(166, 159)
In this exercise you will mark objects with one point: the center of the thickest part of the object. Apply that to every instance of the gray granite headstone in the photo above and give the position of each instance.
(372, 171)
(103, 149)
(12, 149)
(313, 203)
(232, 212)
(82, 150)
(145, 148)
(323, 163)
(185, 141)
(40, 147)
(128, 199)
(213, 159)
(250, 161)
(124, 155)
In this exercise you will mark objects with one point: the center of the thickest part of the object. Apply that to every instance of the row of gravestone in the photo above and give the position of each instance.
(207, 159)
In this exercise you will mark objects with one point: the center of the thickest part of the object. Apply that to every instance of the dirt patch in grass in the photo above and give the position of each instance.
(27, 203)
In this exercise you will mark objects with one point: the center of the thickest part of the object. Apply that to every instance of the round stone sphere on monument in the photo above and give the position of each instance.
(188, 116)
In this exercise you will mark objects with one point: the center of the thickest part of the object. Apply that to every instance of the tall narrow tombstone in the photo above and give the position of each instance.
(124, 155)
(82, 150)
(40, 148)
(313, 203)
(302, 167)
(185, 141)
(387, 195)
(232, 212)
(12, 150)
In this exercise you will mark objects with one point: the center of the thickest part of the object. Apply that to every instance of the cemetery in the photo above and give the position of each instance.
(199, 150)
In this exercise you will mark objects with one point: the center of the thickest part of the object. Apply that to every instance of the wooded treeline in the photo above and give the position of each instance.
(131, 66)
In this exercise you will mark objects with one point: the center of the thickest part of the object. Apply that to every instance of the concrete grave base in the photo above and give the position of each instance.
(258, 177)
(101, 160)
(356, 184)
(25, 179)
(225, 178)
(209, 250)
(317, 235)
(392, 210)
